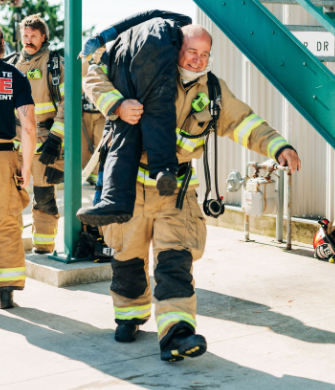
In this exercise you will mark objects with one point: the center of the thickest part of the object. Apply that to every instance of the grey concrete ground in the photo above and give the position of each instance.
(268, 316)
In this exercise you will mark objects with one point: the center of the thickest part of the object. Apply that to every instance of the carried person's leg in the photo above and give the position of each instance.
(179, 239)
(130, 287)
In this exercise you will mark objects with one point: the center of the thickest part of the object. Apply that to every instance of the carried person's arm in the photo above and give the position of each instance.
(242, 125)
(28, 140)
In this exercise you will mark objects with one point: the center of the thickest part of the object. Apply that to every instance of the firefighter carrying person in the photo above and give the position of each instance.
(151, 51)
(46, 75)
(177, 235)
(15, 93)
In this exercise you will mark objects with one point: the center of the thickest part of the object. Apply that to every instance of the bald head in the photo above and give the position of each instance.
(195, 30)
(194, 53)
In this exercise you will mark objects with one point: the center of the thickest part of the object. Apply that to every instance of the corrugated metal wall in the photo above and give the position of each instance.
(314, 186)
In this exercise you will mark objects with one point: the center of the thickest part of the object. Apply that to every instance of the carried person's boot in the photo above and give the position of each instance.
(6, 299)
(102, 214)
(126, 333)
(183, 344)
(166, 183)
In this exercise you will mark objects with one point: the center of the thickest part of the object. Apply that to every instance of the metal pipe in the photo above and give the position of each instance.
(280, 210)
(246, 227)
(72, 196)
(289, 204)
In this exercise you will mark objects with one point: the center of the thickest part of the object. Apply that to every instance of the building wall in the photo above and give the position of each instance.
(314, 187)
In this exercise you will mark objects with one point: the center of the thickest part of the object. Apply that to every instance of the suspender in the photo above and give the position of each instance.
(54, 69)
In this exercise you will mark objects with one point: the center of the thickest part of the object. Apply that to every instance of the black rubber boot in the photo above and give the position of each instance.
(38, 252)
(126, 333)
(183, 344)
(101, 215)
(166, 183)
(6, 299)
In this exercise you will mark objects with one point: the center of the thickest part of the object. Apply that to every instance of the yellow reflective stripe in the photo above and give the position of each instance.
(58, 127)
(143, 178)
(275, 145)
(166, 319)
(42, 108)
(106, 99)
(187, 143)
(104, 69)
(45, 235)
(133, 308)
(44, 239)
(61, 89)
(128, 313)
(244, 129)
(18, 269)
(17, 145)
(9, 274)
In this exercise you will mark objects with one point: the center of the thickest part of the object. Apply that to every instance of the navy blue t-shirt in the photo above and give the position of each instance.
(15, 91)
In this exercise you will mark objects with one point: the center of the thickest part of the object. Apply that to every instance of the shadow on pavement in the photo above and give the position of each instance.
(224, 307)
(133, 363)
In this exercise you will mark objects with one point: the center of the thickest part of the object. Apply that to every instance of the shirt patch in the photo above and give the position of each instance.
(6, 86)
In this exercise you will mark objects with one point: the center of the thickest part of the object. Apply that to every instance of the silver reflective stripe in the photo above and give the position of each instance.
(133, 312)
(37, 238)
(11, 274)
(246, 128)
(107, 98)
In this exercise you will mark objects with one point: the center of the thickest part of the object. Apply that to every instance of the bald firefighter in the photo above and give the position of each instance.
(177, 234)
(46, 75)
(15, 93)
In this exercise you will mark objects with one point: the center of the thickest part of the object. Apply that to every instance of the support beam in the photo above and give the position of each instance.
(72, 201)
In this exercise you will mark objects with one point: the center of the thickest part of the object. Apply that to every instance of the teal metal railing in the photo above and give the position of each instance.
(301, 78)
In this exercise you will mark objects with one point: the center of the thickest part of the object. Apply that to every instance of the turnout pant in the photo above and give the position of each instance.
(13, 201)
(44, 204)
(178, 238)
(95, 123)
(143, 67)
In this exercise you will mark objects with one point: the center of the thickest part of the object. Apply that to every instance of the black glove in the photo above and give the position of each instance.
(50, 149)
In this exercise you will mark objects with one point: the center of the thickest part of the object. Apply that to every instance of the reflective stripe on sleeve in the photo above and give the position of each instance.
(275, 145)
(44, 239)
(106, 99)
(104, 69)
(58, 127)
(9, 274)
(187, 143)
(128, 313)
(167, 319)
(244, 129)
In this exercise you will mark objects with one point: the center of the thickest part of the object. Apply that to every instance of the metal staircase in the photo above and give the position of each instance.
(299, 75)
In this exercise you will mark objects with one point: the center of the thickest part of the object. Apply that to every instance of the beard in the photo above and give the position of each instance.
(2, 50)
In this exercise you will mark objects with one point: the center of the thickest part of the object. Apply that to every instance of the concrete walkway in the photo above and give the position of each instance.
(268, 316)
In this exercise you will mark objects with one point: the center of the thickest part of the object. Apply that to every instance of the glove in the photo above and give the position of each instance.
(99, 40)
(50, 149)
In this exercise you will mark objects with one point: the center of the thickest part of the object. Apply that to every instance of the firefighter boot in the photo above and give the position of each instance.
(101, 215)
(166, 183)
(6, 299)
(126, 333)
(183, 343)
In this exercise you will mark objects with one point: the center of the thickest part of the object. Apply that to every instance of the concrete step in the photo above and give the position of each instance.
(58, 274)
